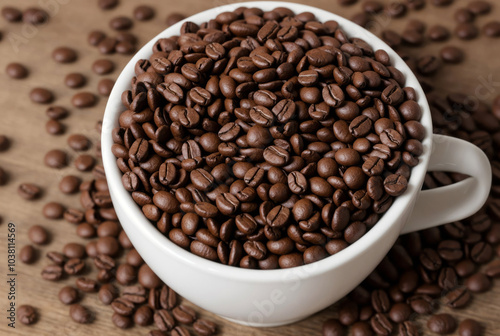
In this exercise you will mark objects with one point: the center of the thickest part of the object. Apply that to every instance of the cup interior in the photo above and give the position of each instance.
(376, 234)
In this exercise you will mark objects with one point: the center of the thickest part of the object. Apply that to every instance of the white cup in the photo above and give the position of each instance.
(277, 297)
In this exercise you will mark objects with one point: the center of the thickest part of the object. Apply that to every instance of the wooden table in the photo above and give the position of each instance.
(23, 122)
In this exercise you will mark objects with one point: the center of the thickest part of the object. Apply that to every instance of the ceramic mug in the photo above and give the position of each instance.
(277, 297)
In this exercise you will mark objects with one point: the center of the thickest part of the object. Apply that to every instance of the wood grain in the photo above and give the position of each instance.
(24, 122)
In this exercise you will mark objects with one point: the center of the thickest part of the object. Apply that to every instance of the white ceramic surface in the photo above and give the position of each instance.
(270, 298)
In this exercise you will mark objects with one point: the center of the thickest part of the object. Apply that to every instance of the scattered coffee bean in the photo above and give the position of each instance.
(479, 7)
(438, 33)
(57, 112)
(35, 16)
(121, 23)
(105, 86)
(478, 283)
(64, 55)
(451, 54)
(38, 235)
(492, 29)
(75, 80)
(27, 254)
(54, 127)
(16, 71)
(80, 314)
(103, 66)
(68, 295)
(107, 4)
(29, 191)
(78, 142)
(442, 324)
(84, 162)
(41, 96)
(84, 100)
(12, 14)
(466, 31)
(56, 158)
(469, 327)
(144, 13)
(174, 18)
(27, 314)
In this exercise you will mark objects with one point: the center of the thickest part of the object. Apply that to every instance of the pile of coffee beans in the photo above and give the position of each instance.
(266, 139)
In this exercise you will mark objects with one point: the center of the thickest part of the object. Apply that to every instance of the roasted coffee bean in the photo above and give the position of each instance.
(205, 327)
(478, 283)
(107, 293)
(144, 13)
(41, 96)
(38, 235)
(64, 55)
(16, 71)
(12, 14)
(164, 320)
(87, 285)
(84, 100)
(80, 314)
(457, 298)
(469, 327)
(27, 314)
(441, 324)
(68, 295)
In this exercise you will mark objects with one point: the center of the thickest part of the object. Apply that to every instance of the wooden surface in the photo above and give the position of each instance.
(24, 123)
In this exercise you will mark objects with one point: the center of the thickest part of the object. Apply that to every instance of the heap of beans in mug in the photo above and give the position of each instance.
(266, 139)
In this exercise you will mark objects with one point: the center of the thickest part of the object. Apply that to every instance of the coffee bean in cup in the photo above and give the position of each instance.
(256, 141)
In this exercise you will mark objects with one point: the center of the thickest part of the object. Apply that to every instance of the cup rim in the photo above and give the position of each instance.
(386, 222)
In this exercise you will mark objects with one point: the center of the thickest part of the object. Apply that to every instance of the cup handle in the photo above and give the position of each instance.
(456, 201)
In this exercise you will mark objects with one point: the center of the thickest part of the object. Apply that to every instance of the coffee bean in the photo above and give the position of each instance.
(16, 71)
(56, 159)
(84, 100)
(438, 33)
(64, 55)
(381, 324)
(38, 235)
(108, 4)
(107, 293)
(173, 18)
(41, 96)
(492, 29)
(12, 14)
(74, 266)
(35, 16)
(27, 314)
(68, 295)
(164, 320)
(144, 13)
(478, 283)
(27, 254)
(442, 324)
(469, 327)
(205, 327)
(80, 314)
(84, 162)
(466, 31)
(103, 67)
(148, 278)
(52, 272)
(120, 23)
(380, 301)
(451, 54)
(457, 298)
(75, 80)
